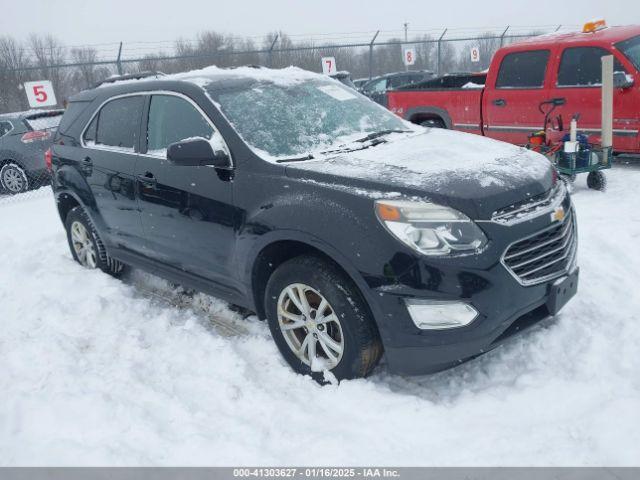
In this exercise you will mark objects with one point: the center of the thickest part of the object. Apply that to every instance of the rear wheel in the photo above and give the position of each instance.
(319, 320)
(86, 247)
(433, 123)
(13, 178)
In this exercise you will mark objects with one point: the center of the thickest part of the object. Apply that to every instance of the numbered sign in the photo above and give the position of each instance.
(40, 94)
(329, 65)
(409, 56)
(475, 54)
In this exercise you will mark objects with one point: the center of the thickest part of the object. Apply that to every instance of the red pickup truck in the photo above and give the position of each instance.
(566, 67)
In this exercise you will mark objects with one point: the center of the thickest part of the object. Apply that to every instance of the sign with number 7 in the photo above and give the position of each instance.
(328, 65)
(40, 94)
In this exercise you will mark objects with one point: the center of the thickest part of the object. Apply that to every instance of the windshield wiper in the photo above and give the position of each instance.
(296, 159)
(381, 133)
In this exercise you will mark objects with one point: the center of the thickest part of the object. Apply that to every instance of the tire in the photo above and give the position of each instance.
(13, 178)
(597, 181)
(345, 321)
(433, 123)
(86, 247)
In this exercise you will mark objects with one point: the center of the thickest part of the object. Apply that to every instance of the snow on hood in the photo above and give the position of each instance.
(436, 157)
(478, 174)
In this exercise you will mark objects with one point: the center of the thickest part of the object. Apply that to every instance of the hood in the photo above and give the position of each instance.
(473, 174)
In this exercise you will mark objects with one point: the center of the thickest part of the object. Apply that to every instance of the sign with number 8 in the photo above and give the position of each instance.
(40, 94)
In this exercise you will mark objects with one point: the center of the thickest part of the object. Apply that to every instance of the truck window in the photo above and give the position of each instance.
(631, 49)
(523, 69)
(582, 67)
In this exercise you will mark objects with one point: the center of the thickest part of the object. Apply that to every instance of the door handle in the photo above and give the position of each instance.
(86, 165)
(148, 179)
(500, 102)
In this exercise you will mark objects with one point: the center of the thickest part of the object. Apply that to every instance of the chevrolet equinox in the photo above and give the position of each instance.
(352, 232)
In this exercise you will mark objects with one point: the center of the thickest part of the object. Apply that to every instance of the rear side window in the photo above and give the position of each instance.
(5, 127)
(582, 66)
(523, 69)
(117, 124)
(172, 119)
(74, 109)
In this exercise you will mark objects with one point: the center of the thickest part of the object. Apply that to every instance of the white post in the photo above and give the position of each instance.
(607, 101)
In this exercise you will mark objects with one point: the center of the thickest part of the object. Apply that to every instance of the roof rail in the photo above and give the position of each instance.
(129, 76)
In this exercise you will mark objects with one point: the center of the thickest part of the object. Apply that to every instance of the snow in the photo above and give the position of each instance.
(98, 371)
(430, 156)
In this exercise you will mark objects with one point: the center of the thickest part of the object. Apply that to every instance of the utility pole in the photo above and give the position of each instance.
(406, 39)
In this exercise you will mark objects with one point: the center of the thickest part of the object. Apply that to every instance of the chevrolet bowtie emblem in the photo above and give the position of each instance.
(557, 215)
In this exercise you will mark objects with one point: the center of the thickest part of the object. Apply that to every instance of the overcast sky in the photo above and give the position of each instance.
(77, 22)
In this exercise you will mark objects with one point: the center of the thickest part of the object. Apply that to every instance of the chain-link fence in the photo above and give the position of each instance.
(72, 69)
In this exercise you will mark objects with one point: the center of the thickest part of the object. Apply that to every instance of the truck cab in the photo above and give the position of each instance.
(565, 67)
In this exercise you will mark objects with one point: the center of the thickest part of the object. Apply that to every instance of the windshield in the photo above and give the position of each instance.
(631, 49)
(298, 118)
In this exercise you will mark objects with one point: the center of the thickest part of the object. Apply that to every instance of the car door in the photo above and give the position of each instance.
(187, 212)
(510, 106)
(578, 82)
(107, 161)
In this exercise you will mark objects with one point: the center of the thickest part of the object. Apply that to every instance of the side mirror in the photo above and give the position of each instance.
(622, 80)
(197, 152)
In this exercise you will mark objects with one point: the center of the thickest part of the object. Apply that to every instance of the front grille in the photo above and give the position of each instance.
(532, 207)
(545, 255)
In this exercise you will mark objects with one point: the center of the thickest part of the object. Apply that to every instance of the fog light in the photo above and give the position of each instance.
(439, 315)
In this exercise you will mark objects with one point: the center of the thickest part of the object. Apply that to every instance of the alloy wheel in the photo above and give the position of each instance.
(13, 179)
(310, 327)
(83, 245)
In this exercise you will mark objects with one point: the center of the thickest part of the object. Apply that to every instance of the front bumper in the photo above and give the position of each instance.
(505, 305)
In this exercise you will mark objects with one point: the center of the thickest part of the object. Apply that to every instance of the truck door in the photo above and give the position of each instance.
(510, 106)
(579, 78)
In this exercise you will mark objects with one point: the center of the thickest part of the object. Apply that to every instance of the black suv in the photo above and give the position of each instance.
(350, 230)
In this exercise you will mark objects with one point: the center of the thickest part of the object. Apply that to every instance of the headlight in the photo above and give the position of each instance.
(429, 228)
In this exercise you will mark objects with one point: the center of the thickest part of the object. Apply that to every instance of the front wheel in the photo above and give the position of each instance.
(86, 247)
(319, 320)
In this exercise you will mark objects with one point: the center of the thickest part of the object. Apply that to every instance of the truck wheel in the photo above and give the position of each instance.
(86, 247)
(433, 123)
(319, 320)
(597, 181)
(13, 178)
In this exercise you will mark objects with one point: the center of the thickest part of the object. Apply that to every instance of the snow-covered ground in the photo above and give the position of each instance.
(95, 370)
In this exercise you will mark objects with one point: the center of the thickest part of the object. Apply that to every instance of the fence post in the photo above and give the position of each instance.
(371, 55)
(502, 36)
(118, 62)
(559, 27)
(273, 44)
(440, 50)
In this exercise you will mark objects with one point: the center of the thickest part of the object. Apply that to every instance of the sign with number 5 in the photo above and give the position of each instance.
(40, 94)
(328, 65)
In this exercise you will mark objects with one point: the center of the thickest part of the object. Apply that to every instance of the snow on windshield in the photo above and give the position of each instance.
(297, 119)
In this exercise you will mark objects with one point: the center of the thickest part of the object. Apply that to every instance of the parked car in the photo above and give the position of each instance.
(24, 138)
(377, 87)
(359, 82)
(344, 77)
(562, 67)
(354, 236)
